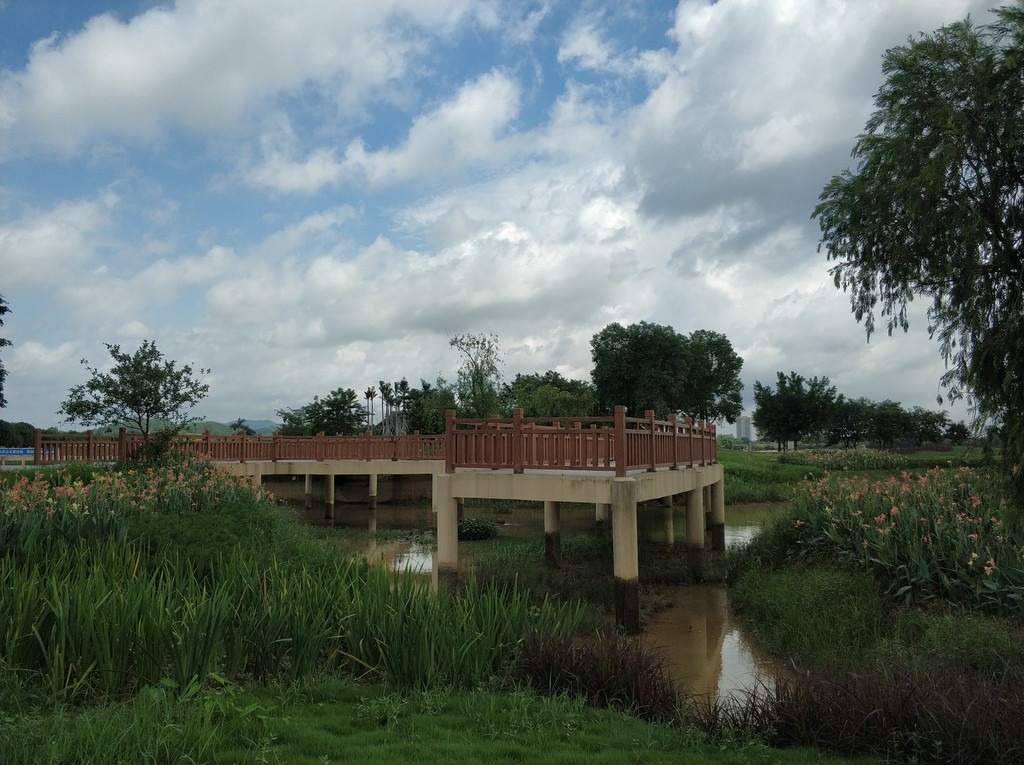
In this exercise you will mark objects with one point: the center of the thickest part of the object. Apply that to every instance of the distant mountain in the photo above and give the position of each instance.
(263, 427)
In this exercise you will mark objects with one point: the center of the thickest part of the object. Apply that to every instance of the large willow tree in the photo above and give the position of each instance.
(936, 209)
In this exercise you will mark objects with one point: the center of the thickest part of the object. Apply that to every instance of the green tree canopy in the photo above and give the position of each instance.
(711, 388)
(140, 388)
(639, 367)
(650, 366)
(428, 406)
(936, 209)
(479, 377)
(337, 413)
(797, 408)
(549, 395)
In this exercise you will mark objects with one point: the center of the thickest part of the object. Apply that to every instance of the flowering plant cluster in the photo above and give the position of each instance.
(55, 503)
(939, 534)
(845, 459)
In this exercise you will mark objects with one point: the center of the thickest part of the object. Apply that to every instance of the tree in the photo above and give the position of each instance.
(479, 377)
(338, 413)
(649, 366)
(240, 426)
(140, 390)
(936, 209)
(798, 407)
(371, 394)
(428, 406)
(549, 395)
(850, 422)
(926, 426)
(890, 423)
(640, 367)
(4, 342)
(711, 387)
(957, 433)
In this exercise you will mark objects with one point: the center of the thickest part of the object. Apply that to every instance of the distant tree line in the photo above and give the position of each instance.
(801, 409)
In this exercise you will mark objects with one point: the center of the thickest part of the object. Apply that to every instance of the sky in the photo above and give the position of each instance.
(307, 195)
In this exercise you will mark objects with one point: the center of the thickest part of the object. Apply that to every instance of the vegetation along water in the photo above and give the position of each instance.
(171, 613)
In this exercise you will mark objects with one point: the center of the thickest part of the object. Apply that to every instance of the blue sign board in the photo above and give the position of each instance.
(16, 452)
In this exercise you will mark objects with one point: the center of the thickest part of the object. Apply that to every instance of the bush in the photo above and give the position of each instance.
(475, 529)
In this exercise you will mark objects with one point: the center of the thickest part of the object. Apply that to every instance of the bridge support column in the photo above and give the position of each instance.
(447, 508)
(309, 490)
(625, 554)
(695, 529)
(670, 523)
(602, 516)
(552, 534)
(373, 503)
(329, 498)
(718, 515)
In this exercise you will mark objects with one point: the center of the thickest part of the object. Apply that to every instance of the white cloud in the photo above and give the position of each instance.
(208, 66)
(42, 247)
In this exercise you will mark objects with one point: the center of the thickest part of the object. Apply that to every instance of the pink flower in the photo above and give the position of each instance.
(973, 536)
(926, 539)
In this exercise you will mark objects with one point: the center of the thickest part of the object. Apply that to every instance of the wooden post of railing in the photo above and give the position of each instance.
(649, 416)
(714, 443)
(122, 444)
(38, 457)
(449, 441)
(620, 440)
(241, 437)
(90, 446)
(700, 430)
(517, 440)
(675, 440)
(368, 446)
(319, 444)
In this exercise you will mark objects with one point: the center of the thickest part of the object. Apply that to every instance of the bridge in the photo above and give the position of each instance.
(614, 463)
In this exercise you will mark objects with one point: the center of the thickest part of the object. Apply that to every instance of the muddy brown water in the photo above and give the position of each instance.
(708, 650)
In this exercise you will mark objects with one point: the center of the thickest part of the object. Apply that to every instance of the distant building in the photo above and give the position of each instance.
(743, 428)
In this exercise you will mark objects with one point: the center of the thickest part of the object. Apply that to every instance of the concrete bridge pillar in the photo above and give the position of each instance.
(552, 534)
(625, 554)
(695, 519)
(372, 526)
(602, 517)
(718, 515)
(329, 498)
(695, 529)
(309, 490)
(670, 522)
(447, 508)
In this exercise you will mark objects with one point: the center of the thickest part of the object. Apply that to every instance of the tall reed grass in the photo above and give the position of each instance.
(95, 613)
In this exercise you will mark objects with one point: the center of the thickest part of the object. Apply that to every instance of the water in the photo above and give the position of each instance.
(707, 649)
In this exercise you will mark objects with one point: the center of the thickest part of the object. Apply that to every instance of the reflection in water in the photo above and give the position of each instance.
(708, 652)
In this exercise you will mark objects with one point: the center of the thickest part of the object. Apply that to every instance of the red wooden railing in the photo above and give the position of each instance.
(617, 443)
(89, 447)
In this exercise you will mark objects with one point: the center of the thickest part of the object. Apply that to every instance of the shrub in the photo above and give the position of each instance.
(475, 529)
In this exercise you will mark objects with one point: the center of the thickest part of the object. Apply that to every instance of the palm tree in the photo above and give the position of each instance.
(371, 394)
(386, 398)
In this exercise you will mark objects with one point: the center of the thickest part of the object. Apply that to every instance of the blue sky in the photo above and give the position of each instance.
(308, 195)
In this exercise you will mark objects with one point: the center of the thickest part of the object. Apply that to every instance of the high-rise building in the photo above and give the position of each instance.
(743, 428)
